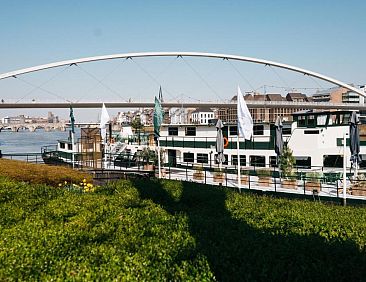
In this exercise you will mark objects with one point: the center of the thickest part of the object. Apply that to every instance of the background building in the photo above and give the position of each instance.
(202, 115)
(264, 114)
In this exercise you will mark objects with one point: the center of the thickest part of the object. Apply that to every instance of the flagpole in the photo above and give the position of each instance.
(344, 169)
(239, 174)
(104, 119)
(72, 121)
(73, 149)
(105, 154)
(159, 168)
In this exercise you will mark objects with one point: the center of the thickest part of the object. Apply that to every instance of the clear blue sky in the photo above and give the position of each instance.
(324, 36)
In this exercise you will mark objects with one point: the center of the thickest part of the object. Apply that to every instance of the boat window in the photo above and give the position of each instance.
(69, 146)
(301, 121)
(273, 161)
(286, 130)
(191, 131)
(173, 130)
(226, 159)
(303, 162)
(257, 161)
(188, 157)
(202, 158)
(333, 119)
(311, 131)
(321, 120)
(311, 120)
(345, 118)
(234, 160)
(333, 160)
(233, 130)
(258, 129)
(62, 145)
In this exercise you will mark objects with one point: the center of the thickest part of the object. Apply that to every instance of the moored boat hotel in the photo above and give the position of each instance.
(316, 139)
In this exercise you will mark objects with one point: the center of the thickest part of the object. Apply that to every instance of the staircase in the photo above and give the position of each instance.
(116, 150)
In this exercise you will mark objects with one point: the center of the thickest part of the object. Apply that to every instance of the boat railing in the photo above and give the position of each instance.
(35, 158)
(313, 182)
(209, 142)
(48, 148)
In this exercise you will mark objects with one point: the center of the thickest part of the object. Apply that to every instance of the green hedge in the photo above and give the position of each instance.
(150, 230)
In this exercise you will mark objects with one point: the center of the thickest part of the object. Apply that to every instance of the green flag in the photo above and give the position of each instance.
(158, 117)
(72, 120)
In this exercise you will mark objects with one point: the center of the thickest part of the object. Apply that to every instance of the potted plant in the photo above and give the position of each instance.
(359, 186)
(264, 176)
(149, 158)
(313, 181)
(287, 162)
(218, 175)
(198, 173)
(289, 180)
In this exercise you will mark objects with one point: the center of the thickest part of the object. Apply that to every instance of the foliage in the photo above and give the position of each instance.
(137, 124)
(287, 162)
(244, 172)
(111, 234)
(198, 168)
(83, 187)
(264, 172)
(40, 174)
(218, 172)
(174, 231)
(313, 176)
(148, 155)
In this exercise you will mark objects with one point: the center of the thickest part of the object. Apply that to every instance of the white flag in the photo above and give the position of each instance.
(245, 121)
(104, 119)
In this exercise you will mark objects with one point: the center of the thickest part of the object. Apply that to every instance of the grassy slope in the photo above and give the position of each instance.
(175, 231)
(40, 174)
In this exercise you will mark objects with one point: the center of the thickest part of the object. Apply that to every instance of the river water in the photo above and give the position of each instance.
(29, 142)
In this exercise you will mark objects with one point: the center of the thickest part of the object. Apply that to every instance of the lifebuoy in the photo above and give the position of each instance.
(226, 142)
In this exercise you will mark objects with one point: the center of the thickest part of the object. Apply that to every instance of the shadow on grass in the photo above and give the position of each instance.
(236, 251)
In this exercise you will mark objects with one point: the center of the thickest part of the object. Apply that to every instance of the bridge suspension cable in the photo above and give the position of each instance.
(241, 75)
(103, 78)
(279, 77)
(202, 79)
(100, 82)
(42, 84)
(43, 89)
(158, 83)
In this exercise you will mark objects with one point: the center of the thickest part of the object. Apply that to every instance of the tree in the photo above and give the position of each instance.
(138, 126)
(287, 162)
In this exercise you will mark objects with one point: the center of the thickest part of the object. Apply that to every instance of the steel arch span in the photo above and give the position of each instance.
(183, 54)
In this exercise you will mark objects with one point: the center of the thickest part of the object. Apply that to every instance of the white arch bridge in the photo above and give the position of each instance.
(176, 54)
